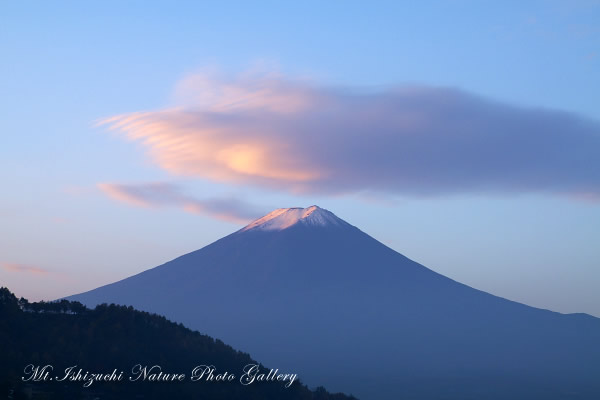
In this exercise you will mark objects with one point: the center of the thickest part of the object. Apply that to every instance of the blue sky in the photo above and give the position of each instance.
(65, 67)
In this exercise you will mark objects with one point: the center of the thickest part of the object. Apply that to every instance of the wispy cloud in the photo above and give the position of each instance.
(23, 268)
(170, 195)
(295, 136)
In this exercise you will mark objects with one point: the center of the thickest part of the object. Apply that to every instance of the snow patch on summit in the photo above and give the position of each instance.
(283, 218)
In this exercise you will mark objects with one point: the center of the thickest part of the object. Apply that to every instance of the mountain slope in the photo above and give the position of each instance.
(112, 337)
(303, 289)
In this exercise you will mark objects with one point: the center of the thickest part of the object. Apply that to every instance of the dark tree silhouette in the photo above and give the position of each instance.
(65, 334)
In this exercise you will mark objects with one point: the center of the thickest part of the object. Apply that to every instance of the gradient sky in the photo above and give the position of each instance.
(85, 203)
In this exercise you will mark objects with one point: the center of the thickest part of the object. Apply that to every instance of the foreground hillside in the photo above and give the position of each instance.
(109, 337)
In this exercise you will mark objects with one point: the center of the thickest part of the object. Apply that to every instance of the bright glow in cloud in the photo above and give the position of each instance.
(297, 137)
(23, 268)
(165, 194)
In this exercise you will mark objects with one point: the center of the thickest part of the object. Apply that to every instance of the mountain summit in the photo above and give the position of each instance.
(304, 291)
(283, 218)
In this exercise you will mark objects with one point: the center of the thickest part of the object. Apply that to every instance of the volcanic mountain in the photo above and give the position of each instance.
(300, 289)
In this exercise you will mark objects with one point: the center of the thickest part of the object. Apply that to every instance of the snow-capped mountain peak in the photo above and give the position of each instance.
(283, 218)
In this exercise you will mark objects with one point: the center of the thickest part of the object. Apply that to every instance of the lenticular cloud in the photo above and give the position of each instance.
(302, 138)
(160, 194)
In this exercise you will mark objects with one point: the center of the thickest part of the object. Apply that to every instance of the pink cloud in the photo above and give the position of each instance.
(298, 137)
(23, 268)
(168, 195)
